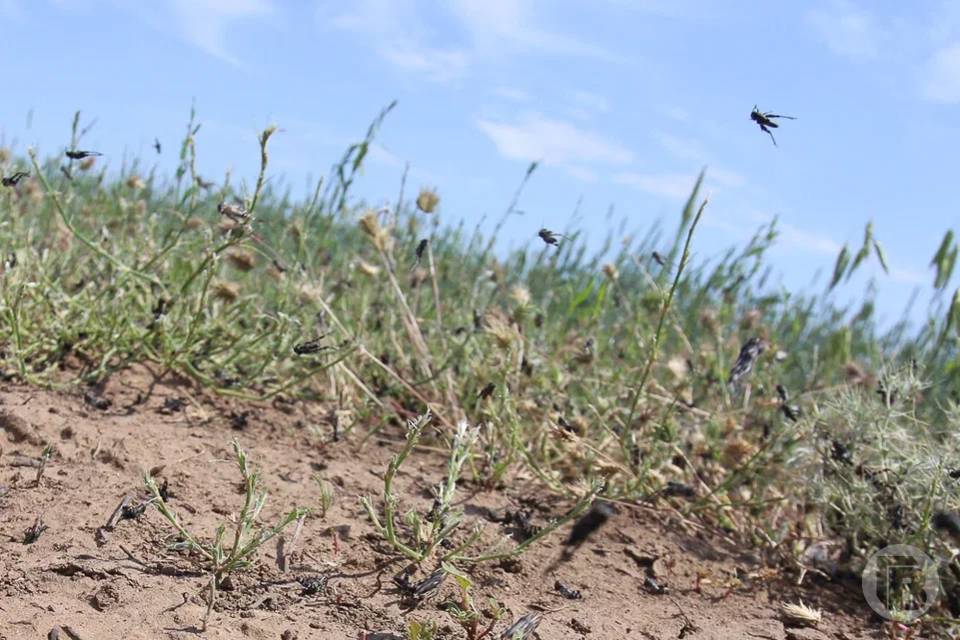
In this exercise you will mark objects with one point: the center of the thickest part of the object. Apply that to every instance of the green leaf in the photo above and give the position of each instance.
(944, 260)
(953, 315)
(462, 579)
(842, 261)
(881, 256)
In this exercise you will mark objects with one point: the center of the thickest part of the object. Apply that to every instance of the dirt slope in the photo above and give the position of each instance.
(125, 583)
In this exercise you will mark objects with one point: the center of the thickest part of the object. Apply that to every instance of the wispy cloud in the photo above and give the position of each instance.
(794, 237)
(494, 24)
(400, 34)
(401, 37)
(585, 105)
(512, 93)
(943, 75)
(536, 137)
(691, 150)
(10, 9)
(206, 23)
(672, 186)
(847, 30)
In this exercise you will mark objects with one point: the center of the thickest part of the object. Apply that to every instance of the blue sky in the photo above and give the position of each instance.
(622, 100)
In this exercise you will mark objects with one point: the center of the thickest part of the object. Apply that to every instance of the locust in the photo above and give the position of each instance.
(421, 247)
(76, 154)
(156, 145)
(549, 237)
(765, 120)
(236, 213)
(749, 352)
(487, 391)
(310, 347)
(13, 180)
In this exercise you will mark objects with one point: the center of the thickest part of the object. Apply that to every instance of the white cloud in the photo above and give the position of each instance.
(797, 238)
(585, 105)
(494, 24)
(205, 23)
(10, 9)
(682, 148)
(725, 177)
(400, 37)
(535, 137)
(512, 93)
(677, 185)
(435, 64)
(847, 31)
(583, 174)
(672, 186)
(943, 75)
(400, 34)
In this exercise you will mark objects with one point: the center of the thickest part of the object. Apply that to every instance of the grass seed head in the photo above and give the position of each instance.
(226, 291)
(428, 200)
(800, 614)
(241, 259)
(370, 226)
(368, 269)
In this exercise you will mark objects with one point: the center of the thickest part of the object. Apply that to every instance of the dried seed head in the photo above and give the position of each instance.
(241, 259)
(368, 269)
(800, 614)
(309, 293)
(193, 223)
(418, 276)
(499, 327)
(854, 373)
(4, 154)
(708, 318)
(32, 191)
(677, 365)
(428, 200)
(135, 182)
(607, 469)
(87, 163)
(737, 451)
(370, 225)
(226, 291)
(751, 319)
(611, 271)
(521, 295)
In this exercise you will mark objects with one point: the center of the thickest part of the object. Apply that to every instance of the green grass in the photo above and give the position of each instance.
(104, 271)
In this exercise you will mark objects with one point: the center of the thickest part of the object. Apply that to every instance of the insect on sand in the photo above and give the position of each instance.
(765, 120)
(588, 523)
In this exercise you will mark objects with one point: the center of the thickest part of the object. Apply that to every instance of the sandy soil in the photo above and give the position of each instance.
(82, 581)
